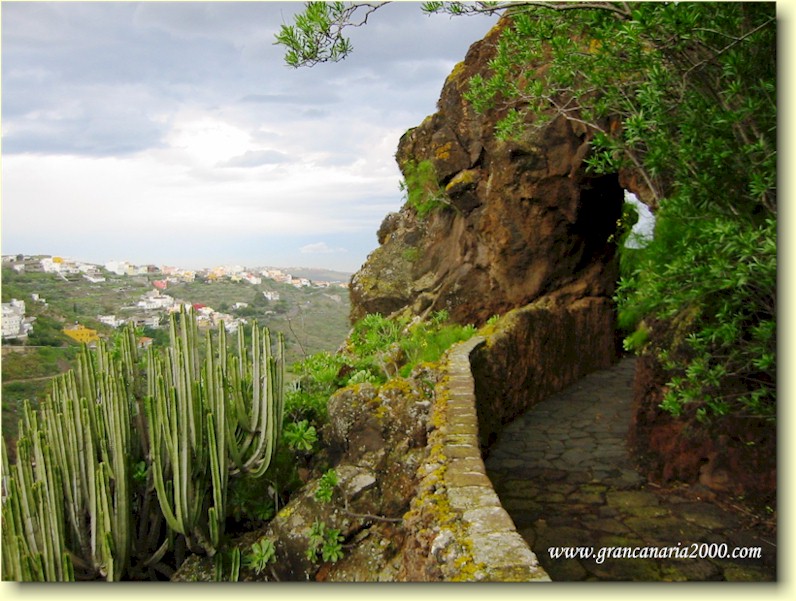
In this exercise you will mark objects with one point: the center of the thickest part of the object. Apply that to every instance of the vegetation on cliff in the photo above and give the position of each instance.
(377, 349)
(683, 96)
(136, 460)
(679, 99)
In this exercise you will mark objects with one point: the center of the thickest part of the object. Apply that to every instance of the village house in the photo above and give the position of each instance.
(141, 321)
(154, 300)
(110, 320)
(82, 334)
(15, 324)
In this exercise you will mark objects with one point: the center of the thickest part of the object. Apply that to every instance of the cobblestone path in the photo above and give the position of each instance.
(563, 473)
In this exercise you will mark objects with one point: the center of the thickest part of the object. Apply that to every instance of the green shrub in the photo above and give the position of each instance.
(714, 282)
(426, 342)
(377, 348)
(421, 187)
(300, 436)
(683, 97)
(326, 542)
(326, 486)
(261, 553)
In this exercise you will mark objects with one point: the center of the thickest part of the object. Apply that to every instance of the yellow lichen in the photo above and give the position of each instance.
(286, 511)
(463, 178)
(400, 385)
(457, 70)
(443, 152)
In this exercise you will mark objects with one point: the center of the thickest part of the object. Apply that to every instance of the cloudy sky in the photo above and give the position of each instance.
(173, 133)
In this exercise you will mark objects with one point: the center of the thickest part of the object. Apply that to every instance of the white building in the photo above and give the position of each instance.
(147, 322)
(12, 321)
(117, 267)
(154, 300)
(15, 325)
(271, 295)
(110, 320)
(49, 265)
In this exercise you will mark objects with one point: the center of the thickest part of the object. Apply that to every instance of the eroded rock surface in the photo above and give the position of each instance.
(517, 220)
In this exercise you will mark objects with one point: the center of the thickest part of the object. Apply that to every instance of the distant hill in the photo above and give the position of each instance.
(317, 274)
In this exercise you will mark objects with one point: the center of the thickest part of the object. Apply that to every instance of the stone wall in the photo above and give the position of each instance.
(459, 530)
(536, 351)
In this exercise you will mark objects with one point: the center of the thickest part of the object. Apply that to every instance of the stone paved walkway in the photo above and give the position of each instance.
(563, 473)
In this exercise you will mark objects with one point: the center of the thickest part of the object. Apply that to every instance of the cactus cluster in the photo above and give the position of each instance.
(130, 456)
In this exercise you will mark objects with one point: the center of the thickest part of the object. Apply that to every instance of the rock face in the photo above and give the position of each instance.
(515, 220)
(735, 456)
(523, 222)
(377, 441)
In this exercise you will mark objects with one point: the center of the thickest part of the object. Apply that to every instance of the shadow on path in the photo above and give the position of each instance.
(563, 472)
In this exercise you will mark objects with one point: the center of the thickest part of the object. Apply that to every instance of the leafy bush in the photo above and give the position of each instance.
(326, 486)
(325, 541)
(372, 334)
(300, 436)
(683, 96)
(318, 379)
(377, 348)
(718, 288)
(426, 342)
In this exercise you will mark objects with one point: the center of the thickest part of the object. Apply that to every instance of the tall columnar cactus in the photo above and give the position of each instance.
(79, 443)
(33, 511)
(70, 502)
(224, 413)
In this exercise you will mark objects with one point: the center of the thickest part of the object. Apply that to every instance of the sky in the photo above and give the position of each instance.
(173, 133)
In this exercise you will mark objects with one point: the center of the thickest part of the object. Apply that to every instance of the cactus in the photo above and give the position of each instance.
(200, 416)
(71, 501)
(33, 534)
(74, 455)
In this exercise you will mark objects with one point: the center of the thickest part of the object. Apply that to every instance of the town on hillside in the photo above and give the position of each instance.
(153, 306)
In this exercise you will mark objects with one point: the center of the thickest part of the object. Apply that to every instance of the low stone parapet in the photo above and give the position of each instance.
(530, 354)
(470, 536)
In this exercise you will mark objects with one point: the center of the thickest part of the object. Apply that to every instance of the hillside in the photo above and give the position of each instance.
(312, 318)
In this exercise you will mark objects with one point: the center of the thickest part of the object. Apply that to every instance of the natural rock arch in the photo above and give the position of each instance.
(513, 221)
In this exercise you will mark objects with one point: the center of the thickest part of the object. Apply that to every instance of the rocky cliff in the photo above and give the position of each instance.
(518, 229)
(512, 221)
(491, 226)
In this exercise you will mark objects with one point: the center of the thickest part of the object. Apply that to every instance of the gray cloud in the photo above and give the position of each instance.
(95, 120)
(211, 54)
(179, 103)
